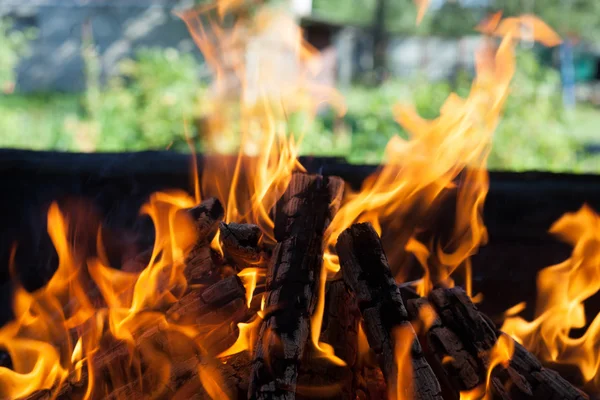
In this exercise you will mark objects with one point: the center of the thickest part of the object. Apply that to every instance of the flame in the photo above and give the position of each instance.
(499, 355)
(422, 6)
(403, 389)
(263, 72)
(420, 172)
(250, 277)
(522, 27)
(246, 338)
(61, 328)
(560, 308)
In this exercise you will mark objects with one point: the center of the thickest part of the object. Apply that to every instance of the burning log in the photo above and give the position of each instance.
(340, 330)
(199, 263)
(460, 339)
(366, 271)
(240, 244)
(301, 217)
(220, 303)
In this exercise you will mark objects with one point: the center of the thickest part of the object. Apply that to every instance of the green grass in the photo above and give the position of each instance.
(523, 141)
(37, 122)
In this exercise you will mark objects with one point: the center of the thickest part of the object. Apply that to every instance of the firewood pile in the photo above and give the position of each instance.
(434, 347)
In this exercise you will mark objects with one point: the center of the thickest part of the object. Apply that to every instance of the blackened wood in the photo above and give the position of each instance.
(366, 271)
(221, 303)
(456, 368)
(240, 243)
(301, 217)
(200, 265)
(207, 216)
(339, 330)
(197, 305)
(525, 376)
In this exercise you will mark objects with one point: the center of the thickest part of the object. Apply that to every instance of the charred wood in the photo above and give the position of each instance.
(460, 338)
(301, 217)
(240, 244)
(200, 264)
(366, 271)
(340, 331)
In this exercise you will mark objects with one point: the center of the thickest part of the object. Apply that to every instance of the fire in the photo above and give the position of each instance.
(422, 6)
(423, 170)
(250, 278)
(61, 330)
(560, 308)
(264, 71)
(403, 342)
(499, 355)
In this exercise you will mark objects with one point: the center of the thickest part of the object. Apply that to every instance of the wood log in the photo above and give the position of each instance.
(221, 303)
(366, 271)
(200, 266)
(318, 375)
(240, 243)
(301, 217)
(461, 339)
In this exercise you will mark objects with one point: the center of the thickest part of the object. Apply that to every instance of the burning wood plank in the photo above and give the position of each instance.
(199, 262)
(461, 338)
(318, 375)
(301, 217)
(366, 271)
(241, 244)
(217, 304)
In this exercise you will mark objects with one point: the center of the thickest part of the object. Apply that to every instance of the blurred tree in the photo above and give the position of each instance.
(580, 17)
(455, 20)
(452, 19)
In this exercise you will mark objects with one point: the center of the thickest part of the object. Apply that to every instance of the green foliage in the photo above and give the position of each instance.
(581, 17)
(36, 122)
(535, 133)
(145, 107)
(452, 19)
(14, 44)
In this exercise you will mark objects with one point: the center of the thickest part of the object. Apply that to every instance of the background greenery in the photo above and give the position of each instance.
(146, 104)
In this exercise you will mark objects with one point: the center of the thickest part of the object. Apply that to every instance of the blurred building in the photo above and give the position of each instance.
(119, 27)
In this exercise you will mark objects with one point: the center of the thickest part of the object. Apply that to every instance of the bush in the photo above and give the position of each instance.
(144, 107)
(534, 133)
(14, 44)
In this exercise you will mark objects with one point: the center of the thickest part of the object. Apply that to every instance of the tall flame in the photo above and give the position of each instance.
(562, 291)
(264, 71)
(63, 327)
(420, 171)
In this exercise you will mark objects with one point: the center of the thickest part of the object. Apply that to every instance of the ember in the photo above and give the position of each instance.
(271, 283)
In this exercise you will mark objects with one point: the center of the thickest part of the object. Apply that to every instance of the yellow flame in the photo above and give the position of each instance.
(403, 388)
(422, 6)
(249, 278)
(500, 354)
(263, 72)
(560, 308)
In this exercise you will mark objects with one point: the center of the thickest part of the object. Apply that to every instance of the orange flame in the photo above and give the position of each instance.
(562, 291)
(250, 277)
(403, 388)
(420, 171)
(500, 354)
(422, 6)
(264, 71)
(60, 328)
